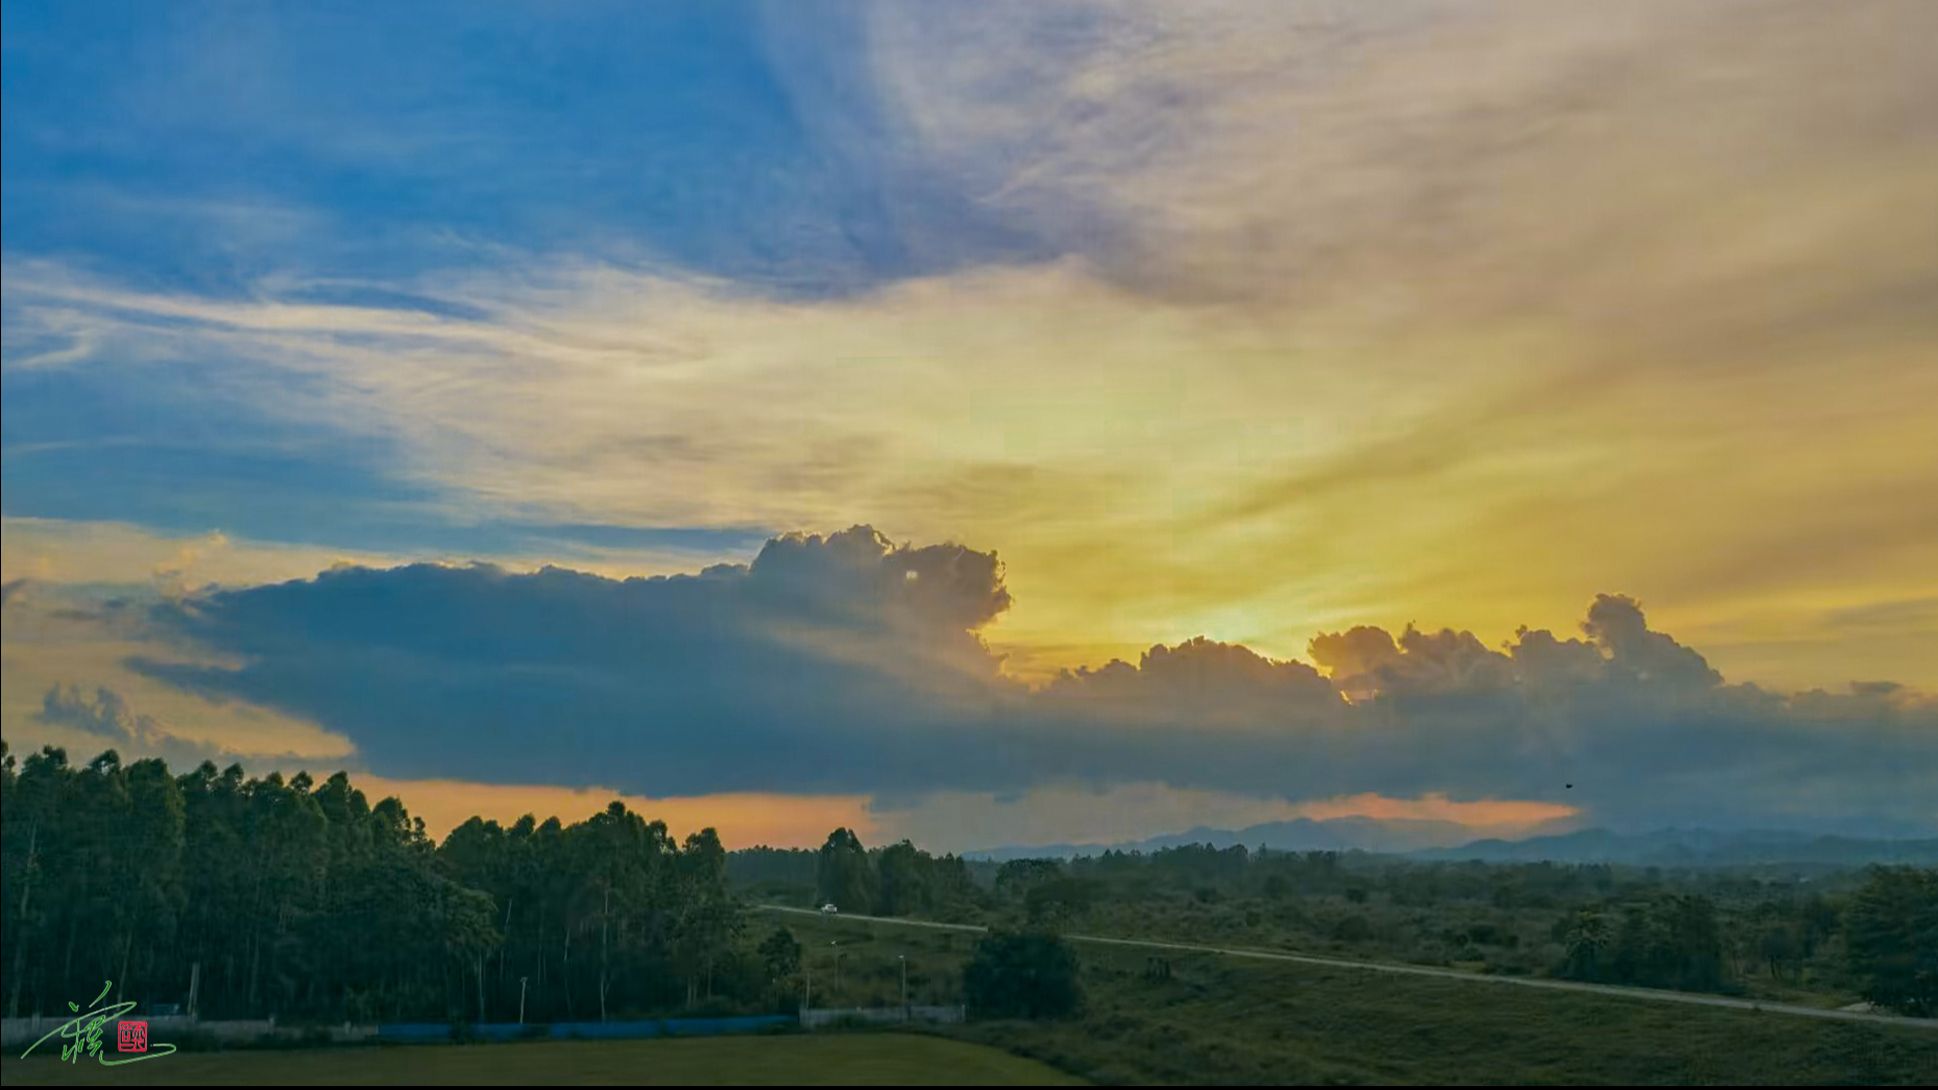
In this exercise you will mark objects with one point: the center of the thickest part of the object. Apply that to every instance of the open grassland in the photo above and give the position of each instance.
(1218, 1019)
(869, 1059)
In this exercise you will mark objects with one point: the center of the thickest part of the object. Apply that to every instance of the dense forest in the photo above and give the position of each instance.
(304, 900)
(255, 896)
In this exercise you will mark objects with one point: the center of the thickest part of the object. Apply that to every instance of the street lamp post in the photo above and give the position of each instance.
(521, 999)
(903, 958)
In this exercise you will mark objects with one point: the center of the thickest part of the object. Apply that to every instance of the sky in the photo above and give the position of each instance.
(983, 423)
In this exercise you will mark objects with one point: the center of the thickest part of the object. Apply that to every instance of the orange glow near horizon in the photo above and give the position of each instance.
(1487, 814)
(748, 819)
(743, 819)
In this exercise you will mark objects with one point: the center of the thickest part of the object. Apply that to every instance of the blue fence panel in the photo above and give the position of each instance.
(414, 1031)
(711, 1027)
(605, 1030)
(502, 1031)
(428, 1032)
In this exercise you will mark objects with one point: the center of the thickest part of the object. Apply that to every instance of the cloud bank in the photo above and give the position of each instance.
(848, 664)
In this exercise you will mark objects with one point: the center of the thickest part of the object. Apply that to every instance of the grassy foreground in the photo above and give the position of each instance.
(1219, 1020)
(1225, 1020)
(885, 1059)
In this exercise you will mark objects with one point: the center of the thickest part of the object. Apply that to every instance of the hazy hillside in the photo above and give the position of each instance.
(1444, 841)
(1297, 835)
(1696, 847)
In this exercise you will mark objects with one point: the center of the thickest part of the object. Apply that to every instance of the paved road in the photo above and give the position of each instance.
(1655, 995)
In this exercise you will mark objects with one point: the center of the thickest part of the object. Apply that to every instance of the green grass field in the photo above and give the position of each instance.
(877, 1059)
(1225, 1020)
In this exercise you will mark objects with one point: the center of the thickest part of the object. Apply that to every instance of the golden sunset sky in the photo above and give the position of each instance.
(1250, 322)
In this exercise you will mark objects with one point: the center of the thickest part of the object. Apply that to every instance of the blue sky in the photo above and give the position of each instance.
(324, 142)
(215, 148)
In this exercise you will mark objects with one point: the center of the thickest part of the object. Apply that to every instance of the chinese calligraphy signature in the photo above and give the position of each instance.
(81, 1035)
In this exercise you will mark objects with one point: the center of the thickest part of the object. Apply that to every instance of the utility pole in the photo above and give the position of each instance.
(903, 958)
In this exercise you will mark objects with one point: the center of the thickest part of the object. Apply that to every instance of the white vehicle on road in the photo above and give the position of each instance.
(829, 909)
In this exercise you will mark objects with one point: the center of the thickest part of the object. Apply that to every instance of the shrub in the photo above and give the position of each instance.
(1026, 974)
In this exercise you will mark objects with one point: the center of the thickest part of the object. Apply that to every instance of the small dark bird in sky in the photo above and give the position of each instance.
(1569, 786)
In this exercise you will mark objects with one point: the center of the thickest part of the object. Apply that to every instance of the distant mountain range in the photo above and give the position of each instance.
(1446, 841)
(1298, 835)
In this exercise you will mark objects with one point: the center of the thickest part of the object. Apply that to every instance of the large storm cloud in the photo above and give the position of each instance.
(847, 663)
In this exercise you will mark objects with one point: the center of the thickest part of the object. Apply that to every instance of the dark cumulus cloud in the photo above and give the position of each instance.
(847, 663)
(824, 663)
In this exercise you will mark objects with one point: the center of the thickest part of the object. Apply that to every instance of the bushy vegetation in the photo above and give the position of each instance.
(1801, 933)
(1180, 1017)
(1022, 974)
(1893, 939)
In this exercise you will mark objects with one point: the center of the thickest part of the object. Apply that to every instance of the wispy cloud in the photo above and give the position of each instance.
(1292, 466)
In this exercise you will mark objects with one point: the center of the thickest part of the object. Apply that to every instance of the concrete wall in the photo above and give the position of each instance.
(827, 1016)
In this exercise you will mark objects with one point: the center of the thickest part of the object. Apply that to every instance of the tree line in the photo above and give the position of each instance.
(1872, 932)
(256, 895)
(897, 879)
(252, 896)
